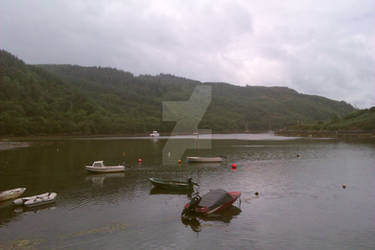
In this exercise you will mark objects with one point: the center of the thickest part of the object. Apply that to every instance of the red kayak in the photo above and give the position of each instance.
(213, 201)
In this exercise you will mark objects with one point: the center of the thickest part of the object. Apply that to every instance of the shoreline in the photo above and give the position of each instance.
(355, 134)
(64, 137)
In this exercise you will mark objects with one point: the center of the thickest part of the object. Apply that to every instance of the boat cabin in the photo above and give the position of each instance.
(98, 164)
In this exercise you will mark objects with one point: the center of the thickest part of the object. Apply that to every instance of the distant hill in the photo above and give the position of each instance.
(71, 99)
(360, 120)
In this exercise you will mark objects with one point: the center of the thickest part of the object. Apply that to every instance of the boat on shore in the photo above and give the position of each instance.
(11, 194)
(197, 159)
(172, 184)
(154, 133)
(99, 167)
(36, 200)
(214, 201)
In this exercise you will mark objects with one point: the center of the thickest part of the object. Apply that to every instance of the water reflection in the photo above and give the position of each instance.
(156, 191)
(98, 179)
(38, 209)
(226, 215)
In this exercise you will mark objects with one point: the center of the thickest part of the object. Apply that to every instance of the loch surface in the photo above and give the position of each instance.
(301, 204)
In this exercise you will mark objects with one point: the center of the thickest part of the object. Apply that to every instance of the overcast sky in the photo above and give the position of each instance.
(315, 47)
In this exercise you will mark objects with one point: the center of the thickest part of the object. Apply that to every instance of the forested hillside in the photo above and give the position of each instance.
(360, 120)
(70, 99)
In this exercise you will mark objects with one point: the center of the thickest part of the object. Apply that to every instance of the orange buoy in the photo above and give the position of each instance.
(139, 160)
(179, 161)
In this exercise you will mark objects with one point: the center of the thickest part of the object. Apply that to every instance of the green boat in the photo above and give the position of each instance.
(172, 185)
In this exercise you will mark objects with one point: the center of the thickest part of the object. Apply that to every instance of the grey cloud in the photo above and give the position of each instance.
(324, 48)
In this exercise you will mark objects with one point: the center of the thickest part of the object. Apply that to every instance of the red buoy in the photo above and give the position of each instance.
(139, 160)
(234, 165)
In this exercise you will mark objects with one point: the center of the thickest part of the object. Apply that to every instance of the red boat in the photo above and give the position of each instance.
(213, 201)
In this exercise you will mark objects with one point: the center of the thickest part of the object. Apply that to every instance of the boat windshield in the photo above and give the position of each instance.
(98, 164)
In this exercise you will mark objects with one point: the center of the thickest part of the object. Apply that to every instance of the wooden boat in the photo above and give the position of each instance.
(11, 194)
(197, 159)
(214, 201)
(36, 200)
(171, 184)
(98, 167)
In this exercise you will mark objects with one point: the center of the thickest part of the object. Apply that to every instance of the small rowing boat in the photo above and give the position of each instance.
(197, 159)
(172, 184)
(11, 194)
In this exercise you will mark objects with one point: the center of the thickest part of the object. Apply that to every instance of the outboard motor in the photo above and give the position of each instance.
(193, 203)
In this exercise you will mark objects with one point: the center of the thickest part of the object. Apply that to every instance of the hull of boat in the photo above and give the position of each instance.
(11, 194)
(106, 169)
(194, 159)
(169, 184)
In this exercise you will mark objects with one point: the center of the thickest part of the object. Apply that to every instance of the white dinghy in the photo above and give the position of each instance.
(11, 194)
(36, 200)
(98, 167)
(197, 159)
(155, 133)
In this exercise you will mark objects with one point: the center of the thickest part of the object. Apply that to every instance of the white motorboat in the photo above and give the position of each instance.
(36, 200)
(197, 159)
(154, 134)
(98, 167)
(11, 194)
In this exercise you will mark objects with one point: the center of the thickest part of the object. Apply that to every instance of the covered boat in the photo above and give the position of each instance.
(36, 200)
(213, 201)
(99, 167)
(172, 184)
(11, 194)
(197, 159)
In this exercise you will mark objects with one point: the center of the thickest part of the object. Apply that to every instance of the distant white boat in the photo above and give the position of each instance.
(36, 200)
(154, 134)
(98, 167)
(11, 194)
(197, 159)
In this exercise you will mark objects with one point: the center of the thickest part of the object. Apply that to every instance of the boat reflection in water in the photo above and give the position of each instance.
(226, 215)
(156, 191)
(98, 179)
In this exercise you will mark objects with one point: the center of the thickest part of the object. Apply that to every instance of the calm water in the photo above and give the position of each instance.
(301, 205)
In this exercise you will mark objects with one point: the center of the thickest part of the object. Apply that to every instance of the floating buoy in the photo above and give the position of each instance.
(343, 186)
(298, 155)
(123, 153)
(234, 165)
(179, 161)
(139, 160)
(256, 193)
